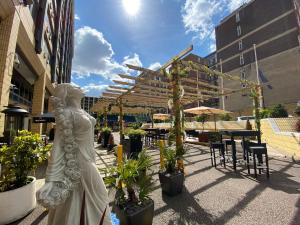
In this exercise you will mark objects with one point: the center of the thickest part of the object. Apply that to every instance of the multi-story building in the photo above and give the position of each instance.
(87, 103)
(204, 78)
(36, 49)
(271, 30)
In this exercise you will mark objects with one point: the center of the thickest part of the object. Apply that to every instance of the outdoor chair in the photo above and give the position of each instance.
(256, 152)
(221, 148)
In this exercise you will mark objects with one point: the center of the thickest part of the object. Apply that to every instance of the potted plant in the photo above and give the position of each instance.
(132, 203)
(170, 176)
(17, 188)
(105, 134)
(135, 142)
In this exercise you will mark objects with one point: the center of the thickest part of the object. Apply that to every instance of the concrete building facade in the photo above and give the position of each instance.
(274, 28)
(87, 103)
(36, 50)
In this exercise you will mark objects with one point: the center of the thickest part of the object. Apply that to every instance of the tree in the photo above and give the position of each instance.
(264, 113)
(225, 117)
(278, 111)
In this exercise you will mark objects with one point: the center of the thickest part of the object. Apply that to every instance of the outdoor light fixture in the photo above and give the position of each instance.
(17, 60)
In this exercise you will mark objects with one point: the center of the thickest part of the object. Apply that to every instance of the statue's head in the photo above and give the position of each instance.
(66, 92)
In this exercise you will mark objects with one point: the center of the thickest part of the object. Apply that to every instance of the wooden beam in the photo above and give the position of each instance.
(118, 87)
(123, 83)
(106, 94)
(115, 91)
(179, 56)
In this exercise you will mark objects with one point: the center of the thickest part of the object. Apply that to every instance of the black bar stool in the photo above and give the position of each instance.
(221, 148)
(257, 153)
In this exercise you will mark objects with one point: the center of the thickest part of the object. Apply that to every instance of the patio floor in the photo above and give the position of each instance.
(218, 196)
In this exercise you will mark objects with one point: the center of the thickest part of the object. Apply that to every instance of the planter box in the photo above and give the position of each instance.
(171, 184)
(136, 146)
(203, 137)
(105, 140)
(135, 214)
(132, 147)
(17, 203)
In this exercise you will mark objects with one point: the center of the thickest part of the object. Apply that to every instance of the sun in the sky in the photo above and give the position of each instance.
(132, 7)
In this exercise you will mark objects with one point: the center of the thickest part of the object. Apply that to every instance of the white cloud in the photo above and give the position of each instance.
(234, 4)
(199, 16)
(92, 87)
(132, 60)
(155, 66)
(93, 54)
(77, 17)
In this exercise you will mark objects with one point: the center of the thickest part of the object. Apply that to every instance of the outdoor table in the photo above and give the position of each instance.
(239, 133)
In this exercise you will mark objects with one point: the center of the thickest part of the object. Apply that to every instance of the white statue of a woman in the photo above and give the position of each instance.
(74, 191)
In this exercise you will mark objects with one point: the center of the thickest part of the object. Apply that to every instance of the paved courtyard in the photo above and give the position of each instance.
(218, 196)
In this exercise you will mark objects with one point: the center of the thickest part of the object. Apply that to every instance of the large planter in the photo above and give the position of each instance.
(171, 184)
(136, 146)
(136, 214)
(203, 137)
(17, 203)
(105, 139)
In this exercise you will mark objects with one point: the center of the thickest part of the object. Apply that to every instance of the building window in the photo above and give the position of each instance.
(242, 59)
(237, 17)
(239, 30)
(240, 45)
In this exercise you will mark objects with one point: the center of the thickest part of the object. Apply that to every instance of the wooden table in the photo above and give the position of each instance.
(239, 133)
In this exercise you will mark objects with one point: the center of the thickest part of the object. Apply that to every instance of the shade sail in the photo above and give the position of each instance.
(205, 110)
(161, 116)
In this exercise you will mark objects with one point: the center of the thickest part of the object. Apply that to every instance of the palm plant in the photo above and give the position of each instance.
(130, 178)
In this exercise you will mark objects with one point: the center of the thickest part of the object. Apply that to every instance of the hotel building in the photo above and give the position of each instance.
(268, 31)
(36, 50)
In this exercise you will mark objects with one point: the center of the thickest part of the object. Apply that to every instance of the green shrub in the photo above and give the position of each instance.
(21, 158)
(225, 117)
(202, 118)
(135, 133)
(106, 130)
(297, 111)
(264, 113)
(169, 155)
(278, 111)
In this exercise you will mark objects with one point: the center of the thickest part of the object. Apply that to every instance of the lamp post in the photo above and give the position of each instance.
(260, 91)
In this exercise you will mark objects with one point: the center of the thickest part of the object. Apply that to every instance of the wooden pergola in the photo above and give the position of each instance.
(155, 89)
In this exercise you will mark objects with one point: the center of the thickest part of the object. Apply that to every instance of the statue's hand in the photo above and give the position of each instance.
(45, 190)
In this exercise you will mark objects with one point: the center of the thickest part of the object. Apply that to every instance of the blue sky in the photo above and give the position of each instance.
(107, 35)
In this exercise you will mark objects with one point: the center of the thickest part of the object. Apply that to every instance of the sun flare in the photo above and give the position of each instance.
(132, 6)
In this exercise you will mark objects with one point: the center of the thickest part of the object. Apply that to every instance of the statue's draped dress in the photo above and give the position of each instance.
(89, 199)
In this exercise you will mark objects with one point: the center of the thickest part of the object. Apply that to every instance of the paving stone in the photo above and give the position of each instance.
(217, 196)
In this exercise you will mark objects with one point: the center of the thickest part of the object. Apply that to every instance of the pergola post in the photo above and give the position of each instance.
(152, 120)
(105, 117)
(175, 79)
(121, 120)
(256, 97)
